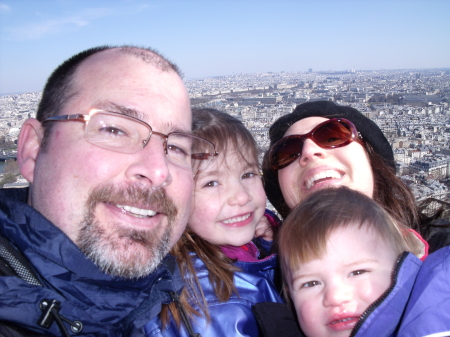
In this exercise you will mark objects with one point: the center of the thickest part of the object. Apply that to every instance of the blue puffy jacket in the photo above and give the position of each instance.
(233, 318)
(106, 306)
(383, 316)
(428, 310)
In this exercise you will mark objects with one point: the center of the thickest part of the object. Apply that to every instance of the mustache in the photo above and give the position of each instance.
(134, 195)
(121, 251)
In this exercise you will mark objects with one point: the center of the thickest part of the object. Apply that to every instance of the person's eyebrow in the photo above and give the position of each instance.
(113, 107)
(117, 108)
(302, 276)
(356, 263)
(250, 166)
(348, 265)
(206, 175)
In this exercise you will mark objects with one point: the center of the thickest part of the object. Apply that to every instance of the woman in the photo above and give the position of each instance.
(345, 148)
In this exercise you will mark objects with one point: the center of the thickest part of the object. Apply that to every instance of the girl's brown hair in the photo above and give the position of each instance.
(228, 134)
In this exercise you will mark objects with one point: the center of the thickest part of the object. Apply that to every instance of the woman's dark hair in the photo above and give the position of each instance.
(392, 193)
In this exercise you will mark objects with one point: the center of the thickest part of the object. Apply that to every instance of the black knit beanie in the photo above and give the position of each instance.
(368, 129)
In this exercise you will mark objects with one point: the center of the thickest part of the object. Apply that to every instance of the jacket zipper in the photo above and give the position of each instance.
(183, 314)
(380, 300)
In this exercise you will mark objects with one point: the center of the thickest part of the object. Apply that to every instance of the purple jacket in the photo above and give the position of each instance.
(383, 317)
(428, 310)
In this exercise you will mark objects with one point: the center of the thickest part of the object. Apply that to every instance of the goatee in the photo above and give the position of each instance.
(117, 249)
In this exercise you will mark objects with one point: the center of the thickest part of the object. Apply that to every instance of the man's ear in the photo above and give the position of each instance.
(28, 147)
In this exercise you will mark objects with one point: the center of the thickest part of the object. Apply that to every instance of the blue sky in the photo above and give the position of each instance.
(213, 38)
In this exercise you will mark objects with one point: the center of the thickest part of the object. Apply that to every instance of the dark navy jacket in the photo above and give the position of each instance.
(105, 305)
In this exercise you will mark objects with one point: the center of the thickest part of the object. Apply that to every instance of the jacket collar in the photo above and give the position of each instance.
(73, 279)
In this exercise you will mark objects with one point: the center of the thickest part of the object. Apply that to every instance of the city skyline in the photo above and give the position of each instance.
(410, 107)
(217, 38)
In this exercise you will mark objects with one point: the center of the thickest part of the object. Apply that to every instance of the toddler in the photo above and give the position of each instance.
(346, 265)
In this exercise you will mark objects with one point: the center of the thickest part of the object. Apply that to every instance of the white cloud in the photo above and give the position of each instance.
(41, 25)
(4, 8)
(37, 30)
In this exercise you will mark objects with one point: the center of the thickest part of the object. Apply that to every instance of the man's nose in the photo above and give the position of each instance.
(150, 165)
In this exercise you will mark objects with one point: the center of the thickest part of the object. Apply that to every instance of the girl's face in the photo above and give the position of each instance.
(229, 201)
(319, 168)
(331, 293)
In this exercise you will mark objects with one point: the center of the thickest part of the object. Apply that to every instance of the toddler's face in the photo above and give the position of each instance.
(330, 294)
(229, 201)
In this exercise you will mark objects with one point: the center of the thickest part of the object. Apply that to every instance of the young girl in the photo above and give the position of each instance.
(224, 271)
(345, 266)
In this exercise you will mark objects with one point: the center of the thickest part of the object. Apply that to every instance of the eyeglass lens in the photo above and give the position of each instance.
(127, 135)
(330, 134)
(117, 133)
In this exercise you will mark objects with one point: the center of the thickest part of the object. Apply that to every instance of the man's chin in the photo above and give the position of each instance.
(117, 248)
(132, 262)
(124, 253)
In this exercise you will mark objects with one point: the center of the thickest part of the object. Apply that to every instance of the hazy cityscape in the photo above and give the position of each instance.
(410, 106)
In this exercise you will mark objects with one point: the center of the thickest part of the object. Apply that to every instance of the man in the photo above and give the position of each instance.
(109, 164)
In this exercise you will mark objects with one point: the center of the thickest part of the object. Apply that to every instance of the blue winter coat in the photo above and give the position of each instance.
(105, 305)
(233, 318)
(428, 310)
(383, 316)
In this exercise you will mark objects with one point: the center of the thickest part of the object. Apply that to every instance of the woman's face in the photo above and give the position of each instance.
(320, 168)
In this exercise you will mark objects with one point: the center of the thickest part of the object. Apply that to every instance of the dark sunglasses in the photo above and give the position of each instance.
(331, 134)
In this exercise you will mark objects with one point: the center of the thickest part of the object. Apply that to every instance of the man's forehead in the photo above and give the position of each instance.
(127, 84)
(113, 59)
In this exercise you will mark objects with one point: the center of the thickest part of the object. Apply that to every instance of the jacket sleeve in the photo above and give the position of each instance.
(428, 310)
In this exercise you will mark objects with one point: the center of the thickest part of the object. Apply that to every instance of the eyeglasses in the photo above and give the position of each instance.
(331, 134)
(121, 133)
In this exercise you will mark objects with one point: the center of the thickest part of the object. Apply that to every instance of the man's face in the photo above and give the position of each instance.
(106, 201)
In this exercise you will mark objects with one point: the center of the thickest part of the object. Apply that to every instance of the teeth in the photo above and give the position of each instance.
(237, 219)
(343, 320)
(137, 211)
(322, 175)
